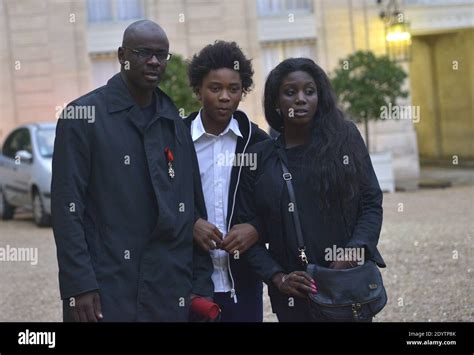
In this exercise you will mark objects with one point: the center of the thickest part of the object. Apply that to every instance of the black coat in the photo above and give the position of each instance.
(243, 276)
(263, 193)
(122, 226)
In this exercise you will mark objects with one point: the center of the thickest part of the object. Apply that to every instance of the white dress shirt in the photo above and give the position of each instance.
(215, 168)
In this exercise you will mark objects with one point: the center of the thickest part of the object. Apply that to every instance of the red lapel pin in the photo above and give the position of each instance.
(170, 158)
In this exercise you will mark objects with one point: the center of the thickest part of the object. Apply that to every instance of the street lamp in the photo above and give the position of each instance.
(397, 33)
(398, 41)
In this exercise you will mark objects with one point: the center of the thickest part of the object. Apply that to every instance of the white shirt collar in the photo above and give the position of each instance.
(197, 128)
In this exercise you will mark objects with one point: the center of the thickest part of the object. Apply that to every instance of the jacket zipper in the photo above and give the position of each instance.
(233, 293)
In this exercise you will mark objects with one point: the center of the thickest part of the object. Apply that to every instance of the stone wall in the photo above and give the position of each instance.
(43, 59)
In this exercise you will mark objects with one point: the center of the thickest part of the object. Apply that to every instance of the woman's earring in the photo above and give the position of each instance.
(278, 111)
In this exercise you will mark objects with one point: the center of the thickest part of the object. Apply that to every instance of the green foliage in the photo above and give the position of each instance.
(365, 83)
(175, 84)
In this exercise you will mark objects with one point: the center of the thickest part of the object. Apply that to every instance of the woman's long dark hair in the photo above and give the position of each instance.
(334, 155)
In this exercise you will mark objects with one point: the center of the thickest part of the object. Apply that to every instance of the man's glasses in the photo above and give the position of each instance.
(146, 54)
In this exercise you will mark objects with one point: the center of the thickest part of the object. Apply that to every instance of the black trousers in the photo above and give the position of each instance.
(248, 309)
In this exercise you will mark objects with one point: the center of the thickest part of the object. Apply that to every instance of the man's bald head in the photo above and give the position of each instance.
(142, 28)
(143, 55)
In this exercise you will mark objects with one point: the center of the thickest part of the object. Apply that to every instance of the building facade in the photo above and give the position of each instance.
(52, 51)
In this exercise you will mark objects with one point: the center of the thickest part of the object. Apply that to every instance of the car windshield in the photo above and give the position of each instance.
(45, 139)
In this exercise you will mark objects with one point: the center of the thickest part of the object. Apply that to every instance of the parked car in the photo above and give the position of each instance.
(25, 171)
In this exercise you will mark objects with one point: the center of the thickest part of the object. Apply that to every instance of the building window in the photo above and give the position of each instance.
(104, 66)
(18, 140)
(114, 10)
(280, 7)
(437, 2)
(274, 53)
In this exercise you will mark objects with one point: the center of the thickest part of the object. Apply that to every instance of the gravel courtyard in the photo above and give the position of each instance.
(427, 243)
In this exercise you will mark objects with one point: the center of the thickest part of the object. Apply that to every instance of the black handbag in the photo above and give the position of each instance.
(355, 294)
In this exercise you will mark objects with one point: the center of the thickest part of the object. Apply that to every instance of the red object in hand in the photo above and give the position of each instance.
(169, 155)
(205, 308)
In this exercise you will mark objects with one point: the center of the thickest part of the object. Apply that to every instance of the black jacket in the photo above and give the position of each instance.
(241, 274)
(263, 192)
(122, 226)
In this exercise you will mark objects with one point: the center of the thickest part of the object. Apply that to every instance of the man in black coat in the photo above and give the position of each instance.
(124, 189)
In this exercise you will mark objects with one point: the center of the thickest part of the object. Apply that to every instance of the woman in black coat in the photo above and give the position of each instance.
(338, 197)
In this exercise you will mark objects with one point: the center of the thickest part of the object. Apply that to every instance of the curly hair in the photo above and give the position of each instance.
(332, 139)
(219, 55)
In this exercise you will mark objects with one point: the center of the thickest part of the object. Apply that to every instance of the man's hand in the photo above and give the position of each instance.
(297, 283)
(240, 238)
(342, 264)
(207, 235)
(87, 307)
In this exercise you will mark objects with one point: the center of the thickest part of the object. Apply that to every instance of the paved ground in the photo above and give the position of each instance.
(455, 176)
(427, 243)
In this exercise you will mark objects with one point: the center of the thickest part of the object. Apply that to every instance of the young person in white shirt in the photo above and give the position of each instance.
(220, 76)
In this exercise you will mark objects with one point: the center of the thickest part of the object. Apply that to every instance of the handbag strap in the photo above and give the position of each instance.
(296, 217)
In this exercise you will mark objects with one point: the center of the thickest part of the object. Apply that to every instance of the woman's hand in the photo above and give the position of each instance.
(297, 283)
